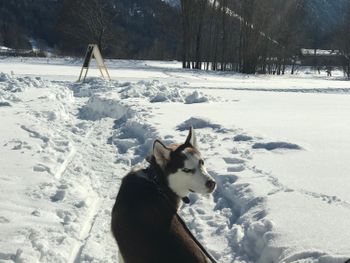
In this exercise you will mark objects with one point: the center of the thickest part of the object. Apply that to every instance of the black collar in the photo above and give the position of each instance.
(153, 175)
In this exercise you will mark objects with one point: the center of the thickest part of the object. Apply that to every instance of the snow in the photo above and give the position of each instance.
(4, 49)
(319, 52)
(197, 123)
(276, 145)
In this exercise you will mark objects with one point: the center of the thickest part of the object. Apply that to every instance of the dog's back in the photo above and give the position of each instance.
(146, 227)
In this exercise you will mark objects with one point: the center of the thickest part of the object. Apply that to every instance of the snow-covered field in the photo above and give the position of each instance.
(278, 147)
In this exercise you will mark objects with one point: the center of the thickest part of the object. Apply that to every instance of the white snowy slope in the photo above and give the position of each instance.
(277, 146)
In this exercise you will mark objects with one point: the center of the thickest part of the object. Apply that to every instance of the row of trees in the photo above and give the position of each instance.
(260, 35)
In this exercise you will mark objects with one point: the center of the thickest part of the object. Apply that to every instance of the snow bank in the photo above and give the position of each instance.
(154, 91)
(92, 86)
(19, 84)
(11, 86)
(102, 105)
(4, 103)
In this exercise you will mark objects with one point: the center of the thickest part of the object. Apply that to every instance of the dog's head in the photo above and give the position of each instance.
(183, 167)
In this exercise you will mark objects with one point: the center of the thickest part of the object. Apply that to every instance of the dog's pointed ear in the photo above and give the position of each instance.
(191, 138)
(161, 153)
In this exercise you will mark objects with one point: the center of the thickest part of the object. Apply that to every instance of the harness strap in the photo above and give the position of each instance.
(186, 200)
(211, 258)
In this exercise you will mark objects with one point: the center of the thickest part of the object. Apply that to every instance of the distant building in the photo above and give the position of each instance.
(321, 57)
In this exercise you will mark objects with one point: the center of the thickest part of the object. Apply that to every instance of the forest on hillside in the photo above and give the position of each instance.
(242, 35)
(122, 28)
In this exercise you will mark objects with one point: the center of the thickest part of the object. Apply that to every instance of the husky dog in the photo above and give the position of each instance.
(144, 221)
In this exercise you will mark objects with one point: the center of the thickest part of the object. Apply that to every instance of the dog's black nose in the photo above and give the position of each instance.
(211, 185)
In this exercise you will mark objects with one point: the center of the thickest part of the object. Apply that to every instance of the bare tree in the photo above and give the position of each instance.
(343, 39)
(88, 21)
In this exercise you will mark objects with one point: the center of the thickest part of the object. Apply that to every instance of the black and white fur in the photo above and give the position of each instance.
(144, 221)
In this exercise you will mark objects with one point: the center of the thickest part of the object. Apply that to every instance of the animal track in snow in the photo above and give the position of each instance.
(332, 200)
(326, 198)
(229, 160)
(58, 196)
(19, 145)
(236, 169)
(35, 134)
(41, 168)
(4, 220)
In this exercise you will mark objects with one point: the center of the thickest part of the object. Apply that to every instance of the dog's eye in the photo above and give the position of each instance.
(201, 162)
(186, 170)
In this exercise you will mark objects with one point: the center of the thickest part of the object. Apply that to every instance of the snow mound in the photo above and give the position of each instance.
(198, 123)
(153, 91)
(4, 103)
(270, 146)
(196, 97)
(92, 86)
(19, 84)
(102, 105)
(8, 97)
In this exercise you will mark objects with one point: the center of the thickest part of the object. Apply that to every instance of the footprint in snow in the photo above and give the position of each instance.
(66, 216)
(19, 145)
(4, 220)
(326, 198)
(236, 169)
(233, 160)
(41, 168)
(58, 196)
(36, 213)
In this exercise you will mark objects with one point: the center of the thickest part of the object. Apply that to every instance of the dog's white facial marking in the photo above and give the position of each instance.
(193, 177)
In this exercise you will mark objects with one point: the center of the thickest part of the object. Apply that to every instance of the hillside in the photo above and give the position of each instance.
(137, 29)
(148, 29)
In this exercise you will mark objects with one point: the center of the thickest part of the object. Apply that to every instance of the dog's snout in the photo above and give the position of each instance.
(211, 185)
